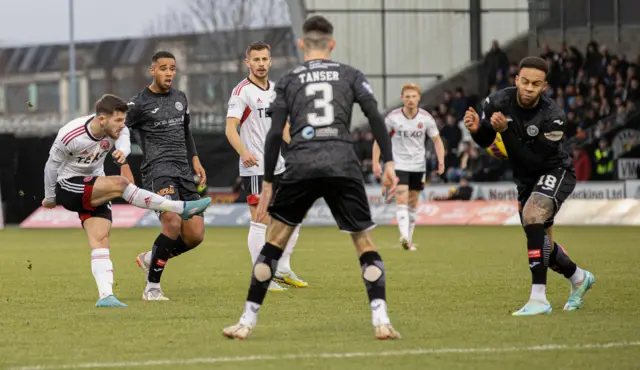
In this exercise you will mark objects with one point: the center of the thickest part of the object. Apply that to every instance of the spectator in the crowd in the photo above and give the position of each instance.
(593, 59)
(455, 173)
(603, 156)
(464, 191)
(459, 104)
(495, 60)
(582, 163)
(633, 91)
(452, 133)
(571, 125)
(547, 52)
(447, 98)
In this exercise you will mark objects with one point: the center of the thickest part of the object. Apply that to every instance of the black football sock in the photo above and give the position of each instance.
(162, 247)
(537, 252)
(180, 247)
(373, 275)
(560, 261)
(262, 273)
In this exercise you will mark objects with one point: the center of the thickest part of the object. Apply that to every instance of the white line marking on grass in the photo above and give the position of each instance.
(409, 352)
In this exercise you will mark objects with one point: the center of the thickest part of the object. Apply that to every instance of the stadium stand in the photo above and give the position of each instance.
(598, 91)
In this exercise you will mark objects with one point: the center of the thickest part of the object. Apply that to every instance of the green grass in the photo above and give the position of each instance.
(456, 291)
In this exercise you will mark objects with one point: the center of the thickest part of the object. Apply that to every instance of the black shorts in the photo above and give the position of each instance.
(74, 194)
(556, 184)
(415, 180)
(174, 188)
(252, 187)
(346, 198)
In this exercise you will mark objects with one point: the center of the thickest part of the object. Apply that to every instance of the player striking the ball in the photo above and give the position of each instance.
(248, 110)
(532, 129)
(410, 127)
(318, 97)
(74, 178)
(159, 121)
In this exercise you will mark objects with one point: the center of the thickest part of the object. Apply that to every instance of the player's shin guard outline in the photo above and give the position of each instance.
(535, 250)
(560, 261)
(262, 272)
(373, 275)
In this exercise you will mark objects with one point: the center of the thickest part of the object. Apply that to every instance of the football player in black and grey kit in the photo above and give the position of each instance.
(318, 97)
(159, 120)
(532, 129)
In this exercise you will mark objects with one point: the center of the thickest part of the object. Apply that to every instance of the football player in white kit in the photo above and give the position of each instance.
(74, 178)
(247, 109)
(409, 128)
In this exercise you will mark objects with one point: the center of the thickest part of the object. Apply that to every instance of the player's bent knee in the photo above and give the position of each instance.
(171, 224)
(262, 272)
(120, 183)
(193, 240)
(372, 273)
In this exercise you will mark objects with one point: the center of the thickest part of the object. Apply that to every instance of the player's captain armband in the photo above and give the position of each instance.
(554, 135)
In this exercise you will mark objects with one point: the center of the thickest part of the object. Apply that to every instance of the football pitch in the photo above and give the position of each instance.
(451, 300)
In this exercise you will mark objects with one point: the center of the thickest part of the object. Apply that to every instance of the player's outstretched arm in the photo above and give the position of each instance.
(125, 170)
(375, 160)
(547, 144)
(123, 144)
(231, 131)
(439, 146)
(286, 134)
(192, 152)
(54, 162)
(381, 136)
(480, 128)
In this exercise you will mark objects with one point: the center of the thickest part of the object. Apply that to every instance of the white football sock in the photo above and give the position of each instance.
(145, 199)
(151, 285)
(538, 292)
(102, 269)
(576, 278)
(250, 315)
(412, 223)
(284, 263)
(256, 240)
(147, 257)
(402, 216)
(379, 314)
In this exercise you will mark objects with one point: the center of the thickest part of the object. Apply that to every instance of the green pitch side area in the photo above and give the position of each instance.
(451, 300)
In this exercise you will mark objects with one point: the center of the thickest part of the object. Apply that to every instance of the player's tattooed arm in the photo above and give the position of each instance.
(547, 143)
(538, 209)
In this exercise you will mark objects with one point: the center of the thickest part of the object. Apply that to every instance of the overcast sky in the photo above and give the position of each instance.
(46, 21)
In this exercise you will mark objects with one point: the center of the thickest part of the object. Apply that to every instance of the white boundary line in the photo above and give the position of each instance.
(409, 352)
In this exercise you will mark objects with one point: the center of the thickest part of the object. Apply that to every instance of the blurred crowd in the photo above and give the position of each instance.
(597, 90)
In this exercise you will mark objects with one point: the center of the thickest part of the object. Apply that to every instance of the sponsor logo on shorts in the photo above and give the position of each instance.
(161, 263)
(167, 191)
(88, 179)
(535, 253)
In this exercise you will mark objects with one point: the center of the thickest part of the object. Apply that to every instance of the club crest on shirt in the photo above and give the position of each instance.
(532, 130)
(420, 125)
(105, 144)
(179, 106)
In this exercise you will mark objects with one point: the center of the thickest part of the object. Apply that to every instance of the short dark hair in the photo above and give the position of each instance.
(319, 24)
(257, 46)
(108, 104)
(162, 54)
(535, 63)
(317, 33)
